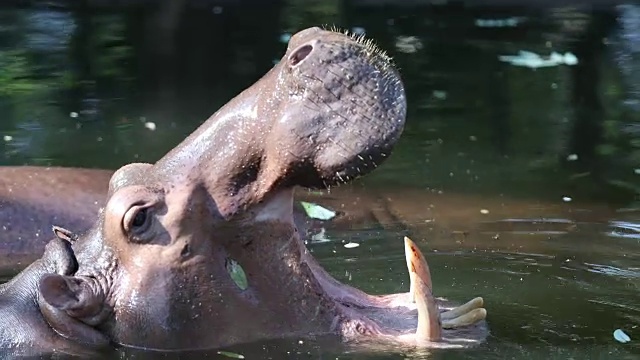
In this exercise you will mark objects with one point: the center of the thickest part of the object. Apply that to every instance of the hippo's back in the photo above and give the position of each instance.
(32, 199)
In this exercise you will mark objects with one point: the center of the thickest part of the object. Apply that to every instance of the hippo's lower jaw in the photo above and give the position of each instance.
(415, 318)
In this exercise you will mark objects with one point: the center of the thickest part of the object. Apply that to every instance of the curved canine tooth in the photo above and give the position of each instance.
(417, 266)
(429, 325)
(466, 319)
(462, 309)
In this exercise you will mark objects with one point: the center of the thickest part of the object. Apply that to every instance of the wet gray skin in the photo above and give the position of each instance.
(154, 269)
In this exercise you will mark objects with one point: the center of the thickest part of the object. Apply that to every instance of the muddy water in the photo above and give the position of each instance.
(518, 177)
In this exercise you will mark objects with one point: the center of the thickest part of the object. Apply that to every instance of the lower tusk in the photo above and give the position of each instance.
(463, 309)
(469, 318)
(429, 327)
(417, 266)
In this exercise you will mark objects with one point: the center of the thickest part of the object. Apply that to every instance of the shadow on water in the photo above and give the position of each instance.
(518, 175)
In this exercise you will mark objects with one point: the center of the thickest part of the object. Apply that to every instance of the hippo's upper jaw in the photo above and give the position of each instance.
(200, 249)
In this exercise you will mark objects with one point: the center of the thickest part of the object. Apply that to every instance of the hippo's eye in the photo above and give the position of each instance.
(137, 221)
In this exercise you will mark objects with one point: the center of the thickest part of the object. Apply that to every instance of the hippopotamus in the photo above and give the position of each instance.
(205, 237)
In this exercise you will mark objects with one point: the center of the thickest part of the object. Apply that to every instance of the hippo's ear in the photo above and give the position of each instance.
(72, 294)
(64, 234)
(72, 308)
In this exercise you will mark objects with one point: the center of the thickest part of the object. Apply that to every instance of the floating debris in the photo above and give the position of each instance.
(484, 211)
(572, 157)
(533, 61)
(408, 44)
(8, 138)
(566, 199)
(150, 125)
(315, 211)
(498, 23)
(230, 354)
(351, 245)
(621, 336)
(636, 171)
(73, 114)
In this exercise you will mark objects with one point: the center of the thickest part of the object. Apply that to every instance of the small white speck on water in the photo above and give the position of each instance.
(351, 245)
(217, 10)
(484, 211)
(8, 138)
(150, 125)
(73, 114)
(636, 171)
(572, 157)
(473, 138)
(439, 94)
(566, 199)
(99, 138)
(300, 342)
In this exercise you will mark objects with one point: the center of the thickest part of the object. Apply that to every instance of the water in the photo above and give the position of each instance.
(520, 184)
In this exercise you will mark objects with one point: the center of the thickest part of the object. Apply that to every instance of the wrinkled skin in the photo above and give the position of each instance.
(153, 270)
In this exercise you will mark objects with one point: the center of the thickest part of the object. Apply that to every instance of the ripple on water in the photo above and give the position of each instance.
(530, 226)
(624, 229)
(629, 273)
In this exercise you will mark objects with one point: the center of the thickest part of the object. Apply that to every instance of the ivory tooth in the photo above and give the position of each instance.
(429, 325)
(466, 319)
(462, 309)
(417, 267)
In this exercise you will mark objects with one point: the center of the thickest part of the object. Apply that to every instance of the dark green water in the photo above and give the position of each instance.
(105, 87)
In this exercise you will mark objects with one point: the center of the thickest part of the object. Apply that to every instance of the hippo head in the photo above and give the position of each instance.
(200, 249)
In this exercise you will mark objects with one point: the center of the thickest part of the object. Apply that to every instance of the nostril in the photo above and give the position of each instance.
(300, 54)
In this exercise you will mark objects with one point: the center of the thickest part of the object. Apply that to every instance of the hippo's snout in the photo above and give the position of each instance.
(330, 111)
(343, 111)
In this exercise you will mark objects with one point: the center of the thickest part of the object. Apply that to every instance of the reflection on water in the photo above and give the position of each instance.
(524, 179)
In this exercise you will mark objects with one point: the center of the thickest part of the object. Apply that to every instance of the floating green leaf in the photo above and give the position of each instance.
(317, 212)
(621, 336)
(230, 354)
(237, 273)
